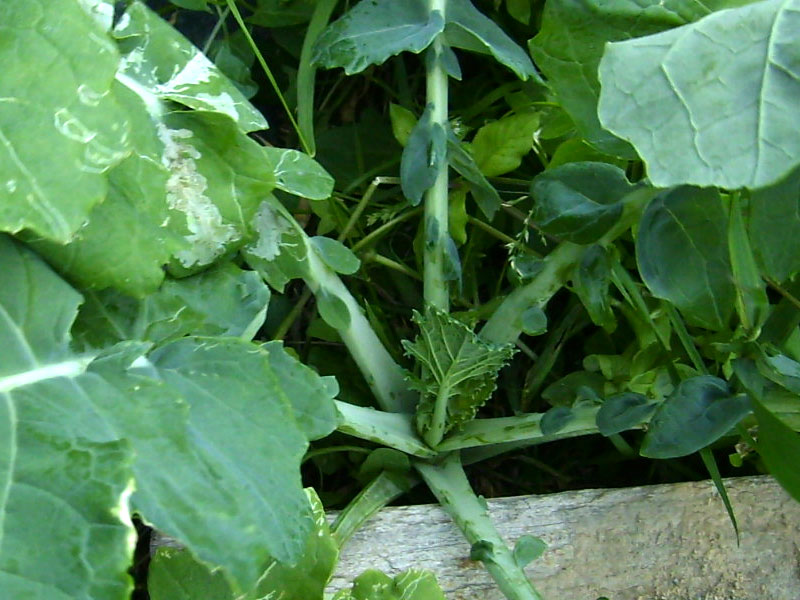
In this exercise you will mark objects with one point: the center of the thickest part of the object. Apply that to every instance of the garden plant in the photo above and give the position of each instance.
(241, 237)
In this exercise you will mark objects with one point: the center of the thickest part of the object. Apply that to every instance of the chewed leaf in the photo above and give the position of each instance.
(454, 363)
(374, 30)
(160, 64)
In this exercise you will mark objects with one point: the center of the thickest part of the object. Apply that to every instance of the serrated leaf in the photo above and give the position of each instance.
(101, 412)
(422, 157)
(623, 411)
(700, 411)
(374, 30)
(456, 366)
(59, 124)
(175, 575)
(571, 68)
(579, 201)
(160, 64)
(500, 146)
(335, 254)
(712, 103)
(460, 158)
(682, 251)
(470, 29)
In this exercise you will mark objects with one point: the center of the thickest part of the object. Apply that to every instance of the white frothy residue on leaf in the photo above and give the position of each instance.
(270, 227)
(186, 192)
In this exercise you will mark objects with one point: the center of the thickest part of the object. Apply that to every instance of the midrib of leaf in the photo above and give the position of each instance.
(68, 368)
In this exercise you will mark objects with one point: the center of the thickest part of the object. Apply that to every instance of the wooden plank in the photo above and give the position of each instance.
(665, 542)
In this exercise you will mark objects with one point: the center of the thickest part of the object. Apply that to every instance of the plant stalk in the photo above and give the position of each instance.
(449, 484)
(436, 288)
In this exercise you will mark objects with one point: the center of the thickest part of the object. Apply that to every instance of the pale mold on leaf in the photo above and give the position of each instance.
(186, 188)
(270, 227)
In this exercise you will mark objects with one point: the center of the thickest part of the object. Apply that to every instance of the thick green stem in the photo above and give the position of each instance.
(384, 376)
(395, 430)
(449, 484)
(436, 288)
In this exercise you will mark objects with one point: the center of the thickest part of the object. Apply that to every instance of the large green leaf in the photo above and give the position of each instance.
(700, 411)
(579, 201)
(457, 368)
(470, 29)
(175, 575)
(191, 427)
(60, 127)
(374, 30)
(162, 65)
(570, 43)
(774, 227)
(223, 301)
(712, 103)
(682, 251)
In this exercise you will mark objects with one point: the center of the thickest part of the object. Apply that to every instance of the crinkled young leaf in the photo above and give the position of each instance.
(455, 365)
(462, 161)
(160, 64)
(422, 156)
(579, 202)
(470, 29)
(175, 574)
(374, 30)
(222, 301)
(500, 146)
(774, 227)
(60, 127)
(682, 251)
(712, 103)
(700, 411)
(413, 584)
(571, 40)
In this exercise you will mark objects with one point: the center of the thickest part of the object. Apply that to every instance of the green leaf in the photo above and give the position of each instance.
(413, 584)
(682, 251)
(579, 201)
(712, 103)
(470, 29)
(223, 301)
(60, 125)
(591, 283)
(774, 227)
(571, 68)
(191, 4)
(174, 574)
(555, 419)
(298, 174)
(520, 10)
(374, 30)
(139, 407)
(752, 304)
(534, 321)
(500, 146)
(335, 254)
(422, 156)
(779, 446)
(572, 387)
(527, 549)
(462, 161)
(457, 216)
(332, 309)
(403, 121)
(457, 368)
(622, 412)
(159, 64)
(700, 411)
